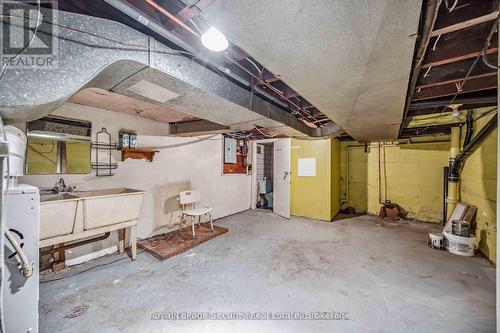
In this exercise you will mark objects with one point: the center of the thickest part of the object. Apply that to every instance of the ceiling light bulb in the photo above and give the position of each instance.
(214, 40)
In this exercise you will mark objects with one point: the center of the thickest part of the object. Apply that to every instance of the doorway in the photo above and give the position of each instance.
(271, 179)
(264, 170)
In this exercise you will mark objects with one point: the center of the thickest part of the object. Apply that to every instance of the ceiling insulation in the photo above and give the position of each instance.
(107, 100)
(350, 59)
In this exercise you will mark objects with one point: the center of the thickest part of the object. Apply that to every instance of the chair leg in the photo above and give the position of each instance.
(192, 226)
(199, 221)
(182, 222)
(211, 223)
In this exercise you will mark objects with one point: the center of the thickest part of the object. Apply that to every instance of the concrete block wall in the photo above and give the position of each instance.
(412, 177)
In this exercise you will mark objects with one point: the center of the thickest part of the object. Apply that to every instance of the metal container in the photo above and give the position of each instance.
(460, 228)
(133, 140)
(124, 140)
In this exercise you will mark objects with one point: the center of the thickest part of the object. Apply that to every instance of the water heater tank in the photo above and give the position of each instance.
(17, 150)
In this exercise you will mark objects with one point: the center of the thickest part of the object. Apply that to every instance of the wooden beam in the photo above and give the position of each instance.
(458, 58)
(465, 24)
(439, 109)
(473, 84)
(289, 93)
(454, 72)
(426, 130)
(459, 45)
(458, 80)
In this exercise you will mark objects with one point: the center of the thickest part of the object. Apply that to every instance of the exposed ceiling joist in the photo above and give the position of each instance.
(439, 109)
(465, 24)
(463, 14)
(459, 100)
(452, 48)
(454, 72)
(472, 85)
(415, 131)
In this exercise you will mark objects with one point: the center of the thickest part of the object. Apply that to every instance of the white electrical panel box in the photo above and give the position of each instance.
(229, 150)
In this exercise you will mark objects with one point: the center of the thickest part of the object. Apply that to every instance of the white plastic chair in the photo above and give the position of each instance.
(188, 200)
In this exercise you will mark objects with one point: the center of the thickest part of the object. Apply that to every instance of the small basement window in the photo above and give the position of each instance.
(58, 146)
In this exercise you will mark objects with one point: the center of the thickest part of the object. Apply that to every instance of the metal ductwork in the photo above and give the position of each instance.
(98, 53)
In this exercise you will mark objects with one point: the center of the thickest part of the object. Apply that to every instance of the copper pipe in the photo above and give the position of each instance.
(172, 17)
(259, 79)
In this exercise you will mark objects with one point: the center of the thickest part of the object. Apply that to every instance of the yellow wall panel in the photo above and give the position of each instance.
(478, 183)
(312, 196)
(412, 175)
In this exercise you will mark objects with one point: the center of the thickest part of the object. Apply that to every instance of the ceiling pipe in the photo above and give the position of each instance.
(136, 15)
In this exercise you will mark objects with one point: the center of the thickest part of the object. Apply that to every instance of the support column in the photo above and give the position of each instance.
(452, 198)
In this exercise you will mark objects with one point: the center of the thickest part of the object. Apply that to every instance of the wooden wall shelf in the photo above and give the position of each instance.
(138, 154)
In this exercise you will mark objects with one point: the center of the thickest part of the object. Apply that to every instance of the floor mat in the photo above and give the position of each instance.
(168, 245)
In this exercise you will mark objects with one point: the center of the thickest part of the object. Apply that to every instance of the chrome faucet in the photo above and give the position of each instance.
(60, 186)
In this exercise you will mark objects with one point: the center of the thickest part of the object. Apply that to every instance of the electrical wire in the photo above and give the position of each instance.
(138, 47)
(484, 52)
(464, 80)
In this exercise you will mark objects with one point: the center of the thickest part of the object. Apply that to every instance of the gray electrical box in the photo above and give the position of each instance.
(229, 150)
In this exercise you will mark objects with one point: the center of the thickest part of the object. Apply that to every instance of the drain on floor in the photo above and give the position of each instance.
(77, 311)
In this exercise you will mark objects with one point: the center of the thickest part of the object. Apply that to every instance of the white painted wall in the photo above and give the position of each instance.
(189, 159)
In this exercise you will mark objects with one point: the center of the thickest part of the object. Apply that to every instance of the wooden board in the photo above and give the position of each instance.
(175, 242)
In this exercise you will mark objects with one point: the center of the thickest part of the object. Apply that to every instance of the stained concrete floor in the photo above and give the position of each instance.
(381, 273)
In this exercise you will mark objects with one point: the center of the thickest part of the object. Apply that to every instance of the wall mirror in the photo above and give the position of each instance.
(58, 145)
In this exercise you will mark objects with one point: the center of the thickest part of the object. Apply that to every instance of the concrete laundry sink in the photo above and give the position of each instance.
(66, 217)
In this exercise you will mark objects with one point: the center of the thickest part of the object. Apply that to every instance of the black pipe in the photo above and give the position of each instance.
(445, 195)
(476, 141)
(470, 128)
(457, 163)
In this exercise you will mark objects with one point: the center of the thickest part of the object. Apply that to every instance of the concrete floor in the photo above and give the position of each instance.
(383, 274)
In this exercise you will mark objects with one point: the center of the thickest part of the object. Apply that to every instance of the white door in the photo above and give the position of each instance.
(281, 183)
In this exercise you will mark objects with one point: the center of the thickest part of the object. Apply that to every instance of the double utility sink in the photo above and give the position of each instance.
(70, 216)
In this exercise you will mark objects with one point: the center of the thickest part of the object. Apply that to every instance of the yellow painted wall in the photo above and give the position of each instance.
(335, 176)
(413, 173)
(313, 197)
(78, 157)
(42, 156)
(478, 184)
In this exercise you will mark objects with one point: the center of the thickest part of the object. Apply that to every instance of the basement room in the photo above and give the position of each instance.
(249, 166)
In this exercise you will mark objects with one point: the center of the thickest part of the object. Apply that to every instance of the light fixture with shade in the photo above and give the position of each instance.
(214, 40)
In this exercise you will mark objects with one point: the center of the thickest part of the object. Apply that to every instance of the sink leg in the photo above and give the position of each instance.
(121, 240)
(133, 241)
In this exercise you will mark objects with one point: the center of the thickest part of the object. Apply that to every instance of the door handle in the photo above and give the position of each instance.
(286, 173)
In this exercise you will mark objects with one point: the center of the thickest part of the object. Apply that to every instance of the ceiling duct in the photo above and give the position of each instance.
(98, 53)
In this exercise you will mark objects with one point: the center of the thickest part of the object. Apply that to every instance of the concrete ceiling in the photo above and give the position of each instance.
(351, 59)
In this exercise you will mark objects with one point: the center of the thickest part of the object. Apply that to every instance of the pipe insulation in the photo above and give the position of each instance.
(26, 266)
